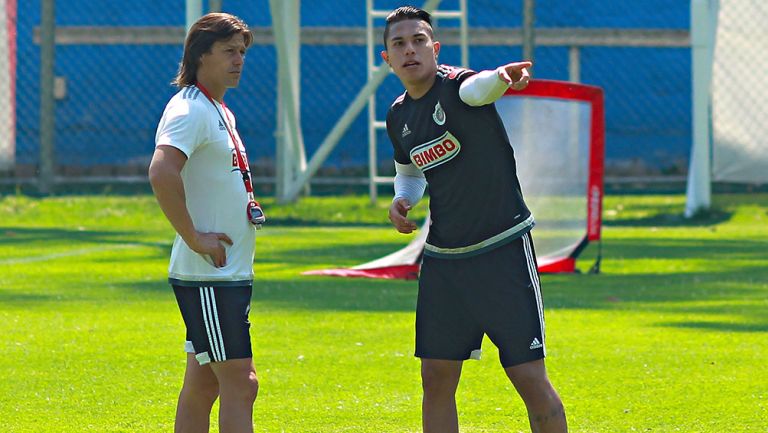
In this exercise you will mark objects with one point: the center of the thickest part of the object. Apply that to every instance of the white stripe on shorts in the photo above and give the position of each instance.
(217, 326)
(204, 305)
(534, 275)
(211, 324)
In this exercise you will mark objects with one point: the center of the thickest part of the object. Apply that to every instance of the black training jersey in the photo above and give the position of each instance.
(475, 199)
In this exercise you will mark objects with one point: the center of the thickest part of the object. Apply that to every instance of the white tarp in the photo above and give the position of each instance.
(740, 93)
(7, 82)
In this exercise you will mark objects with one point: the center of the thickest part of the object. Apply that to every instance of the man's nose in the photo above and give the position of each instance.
(239, 59)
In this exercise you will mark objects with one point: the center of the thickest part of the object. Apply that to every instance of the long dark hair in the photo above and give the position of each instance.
(203, 34)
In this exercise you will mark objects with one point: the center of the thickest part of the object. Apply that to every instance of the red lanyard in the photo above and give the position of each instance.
(241, 164)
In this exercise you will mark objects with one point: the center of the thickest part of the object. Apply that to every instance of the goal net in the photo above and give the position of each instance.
(7, 83)
(739, 94)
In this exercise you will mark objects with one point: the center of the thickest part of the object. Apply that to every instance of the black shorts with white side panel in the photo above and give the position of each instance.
(496, 293)
(217, 321)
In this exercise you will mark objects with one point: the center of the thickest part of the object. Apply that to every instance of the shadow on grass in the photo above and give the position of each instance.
(665, 292)
(350, 254)
(14, 235)
(704, 294)
(719, 326)
(708, 296)
(731, 287)
(311, 293)
(660, 248)
(649, 248)
(10, 297)
(673, 219)
(733, 292)
(25, 235)
(302, 222)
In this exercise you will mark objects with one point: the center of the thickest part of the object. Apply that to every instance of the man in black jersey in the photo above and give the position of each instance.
(479, 274)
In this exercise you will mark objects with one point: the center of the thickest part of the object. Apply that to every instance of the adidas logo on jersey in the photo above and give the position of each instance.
(406, 131)
(536, 344)
(221, 126)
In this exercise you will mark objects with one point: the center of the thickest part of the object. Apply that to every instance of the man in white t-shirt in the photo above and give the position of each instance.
(199, 174)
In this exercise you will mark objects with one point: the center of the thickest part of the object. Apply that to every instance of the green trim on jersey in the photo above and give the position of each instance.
(495, 241)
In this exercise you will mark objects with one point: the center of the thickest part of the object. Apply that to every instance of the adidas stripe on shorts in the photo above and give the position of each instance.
(217, 321)
(496, 293)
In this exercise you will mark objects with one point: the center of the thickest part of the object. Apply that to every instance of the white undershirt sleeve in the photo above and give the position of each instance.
(410, 183)
(485, 87)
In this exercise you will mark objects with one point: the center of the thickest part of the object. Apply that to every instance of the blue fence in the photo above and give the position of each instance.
(116, 93)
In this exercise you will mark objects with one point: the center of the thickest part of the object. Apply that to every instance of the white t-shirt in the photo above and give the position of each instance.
(216, 195)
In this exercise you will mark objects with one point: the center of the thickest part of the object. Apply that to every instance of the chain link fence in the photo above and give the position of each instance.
(114, 61)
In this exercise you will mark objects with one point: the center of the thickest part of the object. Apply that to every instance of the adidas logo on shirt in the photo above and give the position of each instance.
(535, 344)
(221, 126)
(406, 131)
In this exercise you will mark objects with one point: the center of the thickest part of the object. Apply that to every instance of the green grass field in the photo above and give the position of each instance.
(672, 336)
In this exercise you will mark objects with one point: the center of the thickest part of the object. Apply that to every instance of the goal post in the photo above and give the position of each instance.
(703, 25)
(729, 48)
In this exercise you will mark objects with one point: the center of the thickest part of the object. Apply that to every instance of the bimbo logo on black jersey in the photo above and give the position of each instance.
(435, 152)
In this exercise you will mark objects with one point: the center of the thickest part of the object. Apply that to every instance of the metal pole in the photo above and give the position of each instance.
(283, 150)
(431, 5)
(290, 153)
(47, 102)
(529, 32)
(214, 5)
(194, 10)
(574, 64)
(299, 158)
(464, 32)
(333, 137)
(372, 131)
(528, 47)
(703, 28)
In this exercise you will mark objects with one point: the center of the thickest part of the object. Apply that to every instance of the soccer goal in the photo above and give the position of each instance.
(557, 130)
(7, 83)
(729, 43)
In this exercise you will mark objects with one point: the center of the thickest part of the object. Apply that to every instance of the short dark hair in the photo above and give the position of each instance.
(202, 35)
(405, 13)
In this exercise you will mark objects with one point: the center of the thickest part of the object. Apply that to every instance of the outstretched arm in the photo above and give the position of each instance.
(486, 87)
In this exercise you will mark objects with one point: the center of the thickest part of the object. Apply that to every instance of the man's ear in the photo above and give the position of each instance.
(385, 57)
(436, 47)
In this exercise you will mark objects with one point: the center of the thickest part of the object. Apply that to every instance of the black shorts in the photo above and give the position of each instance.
(495, 293)
(217, 321)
